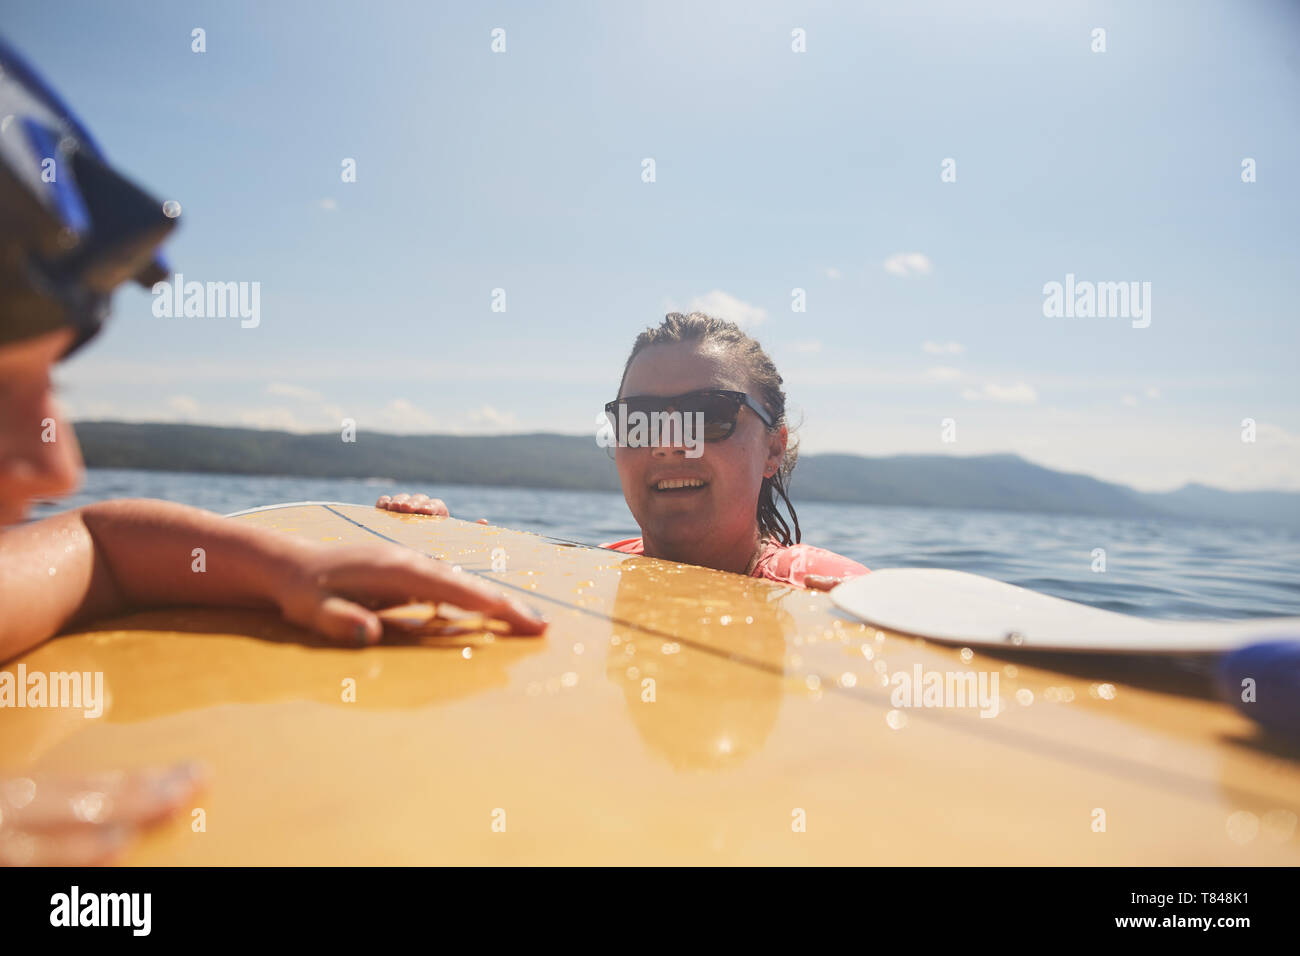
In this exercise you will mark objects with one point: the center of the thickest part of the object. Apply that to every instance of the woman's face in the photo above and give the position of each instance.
(724, 508)
(39, 457)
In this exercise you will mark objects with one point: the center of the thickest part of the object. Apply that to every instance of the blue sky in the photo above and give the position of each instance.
(775, 170)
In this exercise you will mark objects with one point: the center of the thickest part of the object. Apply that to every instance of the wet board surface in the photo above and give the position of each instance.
(770, 710)
(957, 607)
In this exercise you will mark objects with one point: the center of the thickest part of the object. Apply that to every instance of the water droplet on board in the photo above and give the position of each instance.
(813, 681)
(467, 653)
(896, 719)
(1024, 697)
(867, 652)
(724, 620)
(848, 679)
(967, 654)
(1242, 827)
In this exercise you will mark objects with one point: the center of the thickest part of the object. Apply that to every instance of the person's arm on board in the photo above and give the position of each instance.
(116, 556)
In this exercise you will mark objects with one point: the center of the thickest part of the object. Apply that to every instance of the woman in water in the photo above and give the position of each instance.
(718, 509)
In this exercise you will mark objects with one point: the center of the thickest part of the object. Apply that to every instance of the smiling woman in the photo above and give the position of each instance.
(711, 493)
(719, 509)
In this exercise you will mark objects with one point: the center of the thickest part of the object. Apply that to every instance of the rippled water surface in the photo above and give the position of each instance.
(1154, 567)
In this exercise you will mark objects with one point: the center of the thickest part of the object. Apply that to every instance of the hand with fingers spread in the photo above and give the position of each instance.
(87, 819)
(333, 591)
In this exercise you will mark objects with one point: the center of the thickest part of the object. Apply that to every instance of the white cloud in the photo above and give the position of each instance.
(277, 419)
(943, 374)
(831, 272)
(294, 391)
(1130, 400)
(183, 405)
(943, 348)
(908, 264)
(724, 306)
(1153, 392)
(328, 204)
(813, 345)
(403, 415)
(1019, 393)
(492, 418)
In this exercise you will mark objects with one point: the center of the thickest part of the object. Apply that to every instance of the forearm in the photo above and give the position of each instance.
(161, 554)
(120, 555)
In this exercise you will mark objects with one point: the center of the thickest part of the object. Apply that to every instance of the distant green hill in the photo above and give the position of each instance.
(1000, 482)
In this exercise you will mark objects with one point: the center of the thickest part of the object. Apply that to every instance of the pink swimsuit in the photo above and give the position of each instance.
(788, 564)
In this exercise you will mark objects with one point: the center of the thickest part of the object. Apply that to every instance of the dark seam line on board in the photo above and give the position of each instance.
(1161, 779)
(532, 595)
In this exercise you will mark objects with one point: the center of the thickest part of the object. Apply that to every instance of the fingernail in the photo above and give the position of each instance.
(536, 612)
(362, 637)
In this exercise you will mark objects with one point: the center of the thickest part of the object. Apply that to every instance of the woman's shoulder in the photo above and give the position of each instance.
(791, 563)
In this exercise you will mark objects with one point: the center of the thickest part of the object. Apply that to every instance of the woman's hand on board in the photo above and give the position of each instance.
(413, 504)
(416, 505)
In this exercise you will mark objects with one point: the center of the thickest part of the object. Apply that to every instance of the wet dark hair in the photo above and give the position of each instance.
(764, 380)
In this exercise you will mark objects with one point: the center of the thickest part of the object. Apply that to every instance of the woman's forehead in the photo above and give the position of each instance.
(676, 367)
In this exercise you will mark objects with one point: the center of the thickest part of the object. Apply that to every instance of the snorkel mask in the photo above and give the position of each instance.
(71, 228)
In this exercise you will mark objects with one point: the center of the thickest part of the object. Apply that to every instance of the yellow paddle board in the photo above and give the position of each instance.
(671, 714)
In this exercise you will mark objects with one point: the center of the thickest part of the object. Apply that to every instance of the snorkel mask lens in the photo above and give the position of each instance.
(71, 228)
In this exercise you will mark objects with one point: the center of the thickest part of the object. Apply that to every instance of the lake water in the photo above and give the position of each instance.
(1163, 568)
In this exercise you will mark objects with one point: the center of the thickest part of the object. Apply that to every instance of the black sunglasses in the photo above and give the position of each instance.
(719, 406)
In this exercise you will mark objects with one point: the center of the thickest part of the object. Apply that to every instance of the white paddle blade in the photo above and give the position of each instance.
(961, 608)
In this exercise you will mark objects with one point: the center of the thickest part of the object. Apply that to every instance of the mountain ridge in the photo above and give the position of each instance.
(999, 481)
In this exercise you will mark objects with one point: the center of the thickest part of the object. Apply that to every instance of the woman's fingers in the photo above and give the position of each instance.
(413, 504)
(89, 818)
(80, 847)
(120, 798)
